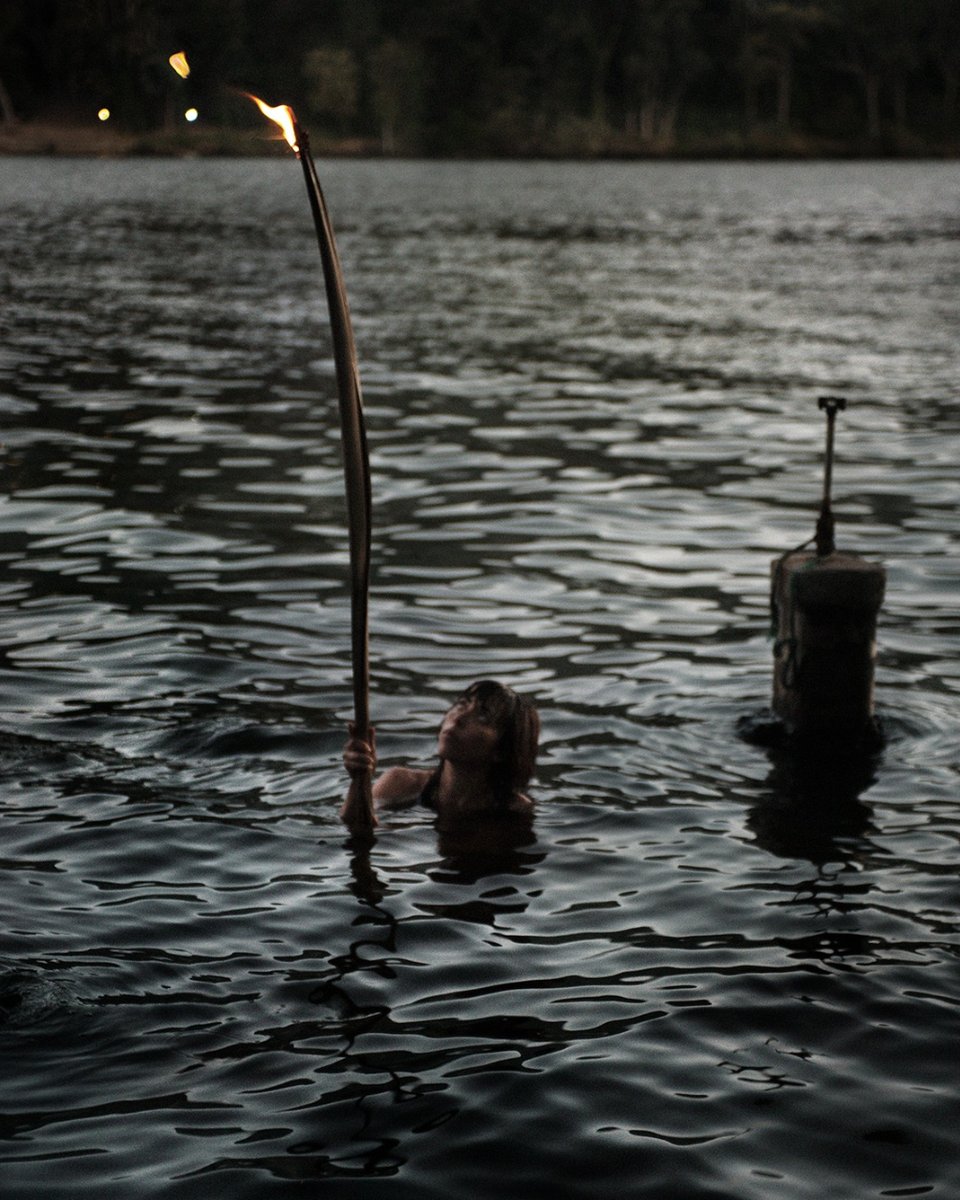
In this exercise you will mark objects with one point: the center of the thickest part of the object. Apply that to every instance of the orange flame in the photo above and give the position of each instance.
(179, 63)
(282, 115)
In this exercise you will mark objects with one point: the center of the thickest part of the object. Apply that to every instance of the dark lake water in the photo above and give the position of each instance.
(591, 405)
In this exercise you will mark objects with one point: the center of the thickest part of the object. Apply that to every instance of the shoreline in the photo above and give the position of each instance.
(38, 139)
(62, 140)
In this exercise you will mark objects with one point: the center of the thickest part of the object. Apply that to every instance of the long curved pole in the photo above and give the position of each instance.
(358, 811)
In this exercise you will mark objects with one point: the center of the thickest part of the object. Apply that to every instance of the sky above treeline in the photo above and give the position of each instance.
(506, 76)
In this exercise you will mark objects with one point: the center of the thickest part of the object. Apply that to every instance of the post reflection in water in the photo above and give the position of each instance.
(811, 807)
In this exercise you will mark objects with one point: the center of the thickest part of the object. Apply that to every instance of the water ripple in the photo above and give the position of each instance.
(591, 410)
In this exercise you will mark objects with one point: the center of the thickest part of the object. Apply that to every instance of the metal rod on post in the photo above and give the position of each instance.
(831, 405)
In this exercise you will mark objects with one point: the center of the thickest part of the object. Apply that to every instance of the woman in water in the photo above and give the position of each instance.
(487, 747)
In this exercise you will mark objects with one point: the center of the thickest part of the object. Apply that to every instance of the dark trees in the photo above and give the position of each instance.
(509, 76)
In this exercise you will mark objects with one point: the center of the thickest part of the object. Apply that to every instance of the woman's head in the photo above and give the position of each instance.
(517, 726)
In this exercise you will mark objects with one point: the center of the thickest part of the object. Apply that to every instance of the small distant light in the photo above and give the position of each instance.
(191, 114)
(103, 114)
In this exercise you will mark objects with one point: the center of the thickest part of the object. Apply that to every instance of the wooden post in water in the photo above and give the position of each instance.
(825, 605)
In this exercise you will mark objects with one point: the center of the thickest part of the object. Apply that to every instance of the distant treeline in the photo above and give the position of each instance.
(507, 77)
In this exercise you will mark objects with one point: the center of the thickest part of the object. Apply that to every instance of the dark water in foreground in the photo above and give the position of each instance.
(591, 400)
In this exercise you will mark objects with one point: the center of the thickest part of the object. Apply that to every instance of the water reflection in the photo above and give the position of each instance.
(471, 851)
(483, 847)
(391, 1067)
(811, 807)
(589, 404)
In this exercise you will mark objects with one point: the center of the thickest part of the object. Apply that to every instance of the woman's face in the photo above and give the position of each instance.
(468, 735)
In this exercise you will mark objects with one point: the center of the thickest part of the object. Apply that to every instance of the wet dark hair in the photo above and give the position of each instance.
(518, 724)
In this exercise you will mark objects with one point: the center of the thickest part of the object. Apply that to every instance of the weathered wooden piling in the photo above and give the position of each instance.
(825, 605)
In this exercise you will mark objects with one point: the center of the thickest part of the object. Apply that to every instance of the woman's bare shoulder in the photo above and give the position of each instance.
(522, 805)
(399, 787)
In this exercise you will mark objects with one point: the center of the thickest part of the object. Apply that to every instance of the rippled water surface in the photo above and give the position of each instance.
(591, 393)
